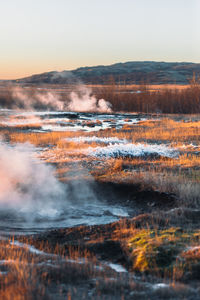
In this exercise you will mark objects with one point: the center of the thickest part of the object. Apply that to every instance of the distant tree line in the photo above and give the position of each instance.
(146, 100)
(186, 101)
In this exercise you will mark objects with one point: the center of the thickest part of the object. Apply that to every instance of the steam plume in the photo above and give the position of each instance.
(84, 101)
(30, 193)
(33, 99)
(80, 100)
(27, 185)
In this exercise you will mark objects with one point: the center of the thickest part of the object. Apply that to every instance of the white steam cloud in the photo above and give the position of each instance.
(32, 197)
(84, 101)
(81, 100)
(32, 99)
(27, 185)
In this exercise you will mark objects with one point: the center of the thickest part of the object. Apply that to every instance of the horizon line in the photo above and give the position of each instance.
(101, 65)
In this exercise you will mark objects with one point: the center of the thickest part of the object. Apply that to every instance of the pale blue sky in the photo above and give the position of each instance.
(43, 35)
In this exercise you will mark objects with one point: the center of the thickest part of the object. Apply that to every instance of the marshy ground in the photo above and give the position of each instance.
(131, 192)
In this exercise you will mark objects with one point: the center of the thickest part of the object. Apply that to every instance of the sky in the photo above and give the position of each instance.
(44, 35)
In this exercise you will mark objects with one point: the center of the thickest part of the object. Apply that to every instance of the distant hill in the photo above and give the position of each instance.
(124, 73)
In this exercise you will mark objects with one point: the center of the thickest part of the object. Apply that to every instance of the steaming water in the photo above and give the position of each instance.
(32, 199)
(16, 222)
(66, 121)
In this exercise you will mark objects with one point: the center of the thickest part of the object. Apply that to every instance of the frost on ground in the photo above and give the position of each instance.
(95, 139)
(132, 150)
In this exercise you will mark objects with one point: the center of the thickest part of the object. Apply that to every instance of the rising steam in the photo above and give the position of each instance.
(84, 101)
(80, 100)
(30, 193)
(34, 99)
(28, 186)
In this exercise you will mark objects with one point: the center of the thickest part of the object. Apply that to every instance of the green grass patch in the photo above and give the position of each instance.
(160, 251)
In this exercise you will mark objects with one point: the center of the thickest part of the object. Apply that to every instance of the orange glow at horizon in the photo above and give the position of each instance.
(42, 36)
(23, 70)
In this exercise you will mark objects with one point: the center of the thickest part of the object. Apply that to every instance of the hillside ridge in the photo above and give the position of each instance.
(132, 72)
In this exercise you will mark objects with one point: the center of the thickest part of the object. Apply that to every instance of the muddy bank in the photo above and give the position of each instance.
(134, 196)
(112, 242)
(154, 255)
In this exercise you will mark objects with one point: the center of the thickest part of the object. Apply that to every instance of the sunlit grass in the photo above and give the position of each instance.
(171, 172)
(164, 252)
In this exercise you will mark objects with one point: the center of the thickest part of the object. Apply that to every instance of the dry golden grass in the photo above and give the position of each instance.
(138, 86)
(29, 275)
(165, 130)
(42, 138)
(180, 175)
